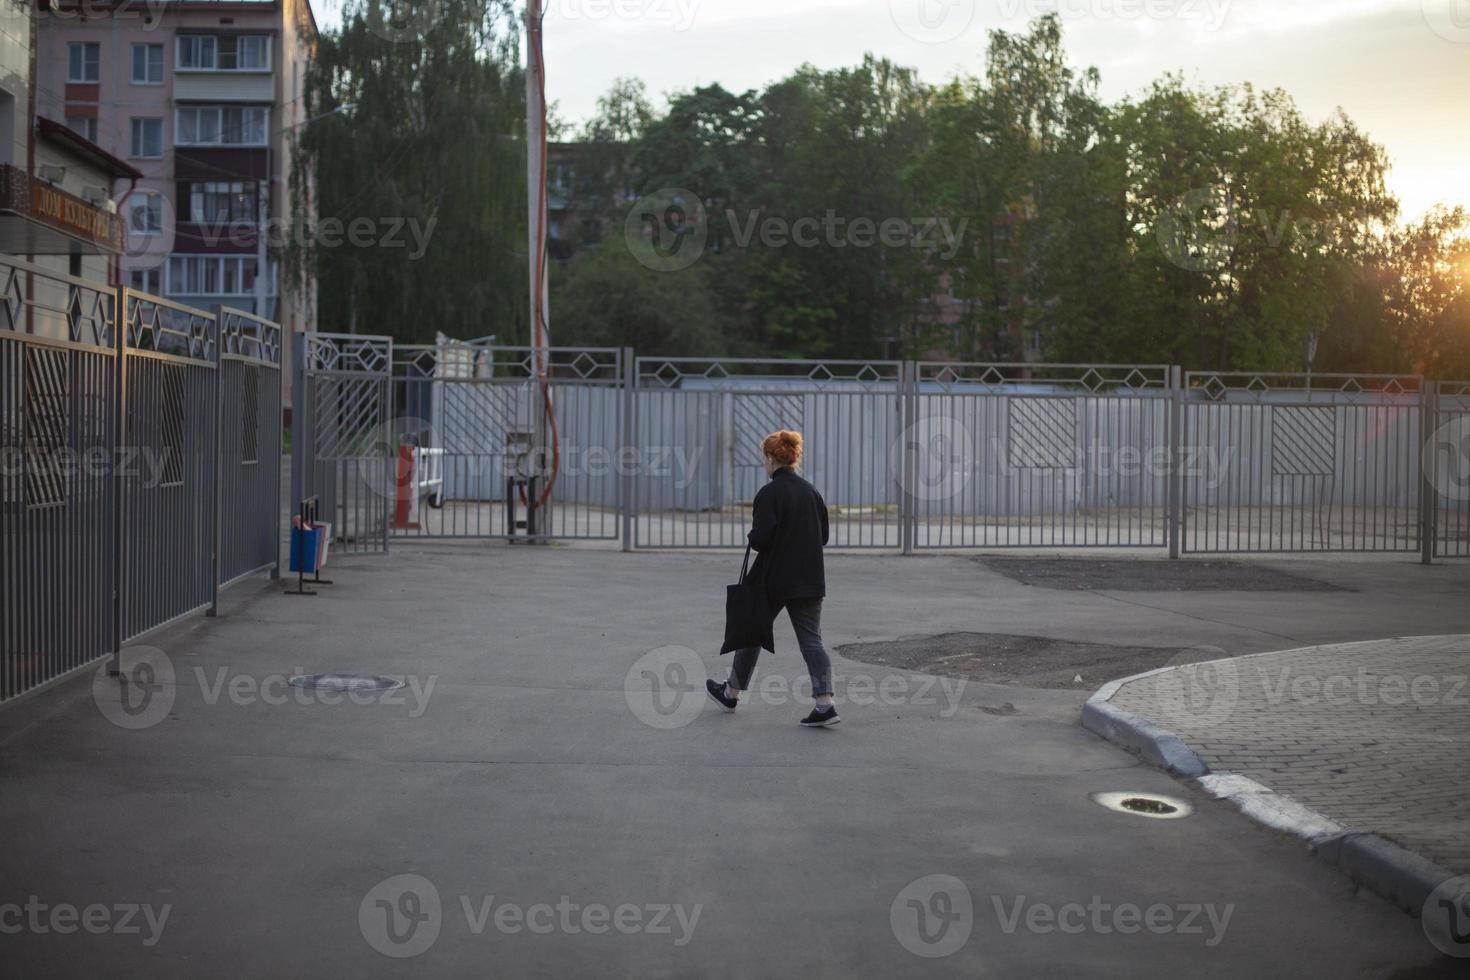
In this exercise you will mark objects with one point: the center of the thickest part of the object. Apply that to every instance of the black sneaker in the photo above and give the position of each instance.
(716, 691)
(820, 718)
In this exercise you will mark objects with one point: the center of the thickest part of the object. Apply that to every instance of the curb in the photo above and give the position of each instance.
(1393, 872)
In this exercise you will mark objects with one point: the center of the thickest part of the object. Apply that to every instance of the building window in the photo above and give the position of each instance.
(221, 125)
(85, 126)
(219, 201)
(228, 52)
(147, 138)
(147, 64)
(213, 275)
(196, 51)
(145, 280)
(83, 62)
(146, 213)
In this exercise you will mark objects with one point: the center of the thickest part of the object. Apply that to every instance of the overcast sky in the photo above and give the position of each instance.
(1400, 68)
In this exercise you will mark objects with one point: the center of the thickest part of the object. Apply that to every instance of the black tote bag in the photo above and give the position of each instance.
(748, 618)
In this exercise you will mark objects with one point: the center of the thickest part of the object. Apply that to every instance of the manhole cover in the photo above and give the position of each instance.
(344, 682)
(1144, 805)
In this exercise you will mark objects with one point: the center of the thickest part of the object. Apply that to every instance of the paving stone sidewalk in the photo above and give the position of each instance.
(1373, 735)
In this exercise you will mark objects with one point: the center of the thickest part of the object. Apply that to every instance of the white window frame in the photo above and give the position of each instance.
(147, 49)
(89, 126)
(197, 269)
(138, 152)
(84, 47)
(208, 54)
(152, 280)
(151, 202)
(180, 130)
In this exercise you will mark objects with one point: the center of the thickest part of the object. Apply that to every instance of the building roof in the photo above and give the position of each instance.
(79, 145)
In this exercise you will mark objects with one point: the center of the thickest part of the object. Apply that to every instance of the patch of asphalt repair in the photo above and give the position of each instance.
(1019, 661)
(1152, 575)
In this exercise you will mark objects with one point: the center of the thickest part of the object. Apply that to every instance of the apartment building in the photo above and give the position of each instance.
(205, 100)
(57, 206)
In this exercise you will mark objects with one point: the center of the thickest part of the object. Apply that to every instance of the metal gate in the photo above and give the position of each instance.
(1301, 463)
(341, 434)
(474, 425)
(698, 426)
(1447, 469)
(1038, 455)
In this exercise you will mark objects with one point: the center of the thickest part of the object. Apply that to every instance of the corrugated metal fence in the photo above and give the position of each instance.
(141, 465)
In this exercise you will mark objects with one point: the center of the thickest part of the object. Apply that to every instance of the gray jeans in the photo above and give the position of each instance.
(806, 619)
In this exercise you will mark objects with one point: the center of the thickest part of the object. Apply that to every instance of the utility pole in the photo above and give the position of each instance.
(536, 255)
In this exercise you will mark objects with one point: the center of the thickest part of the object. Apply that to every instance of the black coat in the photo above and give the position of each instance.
(788, 530)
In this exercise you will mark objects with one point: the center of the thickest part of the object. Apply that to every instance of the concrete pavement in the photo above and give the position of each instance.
(565, 808)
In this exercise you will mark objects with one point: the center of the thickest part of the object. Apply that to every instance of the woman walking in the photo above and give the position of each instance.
(788, 531)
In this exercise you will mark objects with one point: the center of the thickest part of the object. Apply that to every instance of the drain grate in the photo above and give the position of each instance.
(1144, 805)
(345, 683)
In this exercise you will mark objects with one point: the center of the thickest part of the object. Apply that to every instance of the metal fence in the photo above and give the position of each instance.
(435, 441)
(112, 501)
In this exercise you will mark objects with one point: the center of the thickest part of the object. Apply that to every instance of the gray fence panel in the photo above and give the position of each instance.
(1448, 469)
(58, 342)
(168, 496)
(1299, 463)
(250, 444)
(699, 426)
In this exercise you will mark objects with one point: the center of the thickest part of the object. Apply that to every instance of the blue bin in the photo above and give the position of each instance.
(305, 546)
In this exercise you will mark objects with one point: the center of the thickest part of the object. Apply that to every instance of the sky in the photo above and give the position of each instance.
(1399, 68)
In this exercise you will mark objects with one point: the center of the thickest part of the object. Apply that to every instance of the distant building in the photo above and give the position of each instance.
(205, 99)
(57, 197)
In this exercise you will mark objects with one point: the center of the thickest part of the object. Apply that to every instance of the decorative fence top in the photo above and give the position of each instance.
(349, 353)
(463, 360)
(162, 326)
(78, 310)
(676, 372)
(246, 335)
(1233, 385)
(1097, 379)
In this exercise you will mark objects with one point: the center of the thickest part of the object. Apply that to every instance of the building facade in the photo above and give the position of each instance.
(57, 205)
(205, 99)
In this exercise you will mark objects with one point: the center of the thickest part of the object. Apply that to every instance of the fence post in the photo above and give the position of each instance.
(275, 432)
(627, 477)
(300, 405)
(1174, 490)
(908, 458)
(119, 423)
(218, 471)
(1428, 472)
